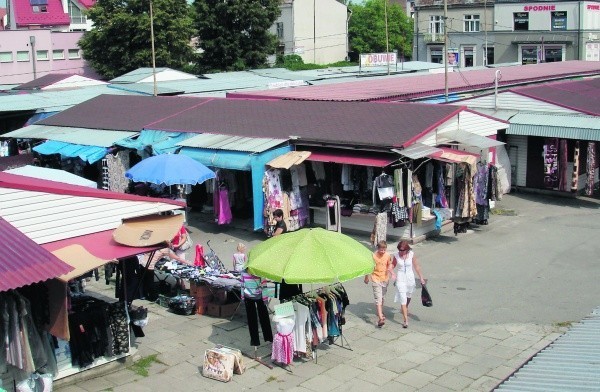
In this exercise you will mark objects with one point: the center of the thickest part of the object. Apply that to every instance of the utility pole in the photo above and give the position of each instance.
(445, 51)
(485, 59)
(153, 52)
(387, 36)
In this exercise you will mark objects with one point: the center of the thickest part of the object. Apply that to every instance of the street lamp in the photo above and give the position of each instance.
(32, 42)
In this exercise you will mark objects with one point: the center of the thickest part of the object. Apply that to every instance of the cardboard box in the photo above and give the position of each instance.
(218, 365)
(222, 310)
(199, 289)
(201, 308)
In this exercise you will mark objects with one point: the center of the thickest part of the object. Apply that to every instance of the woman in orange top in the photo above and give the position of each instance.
(379, 278)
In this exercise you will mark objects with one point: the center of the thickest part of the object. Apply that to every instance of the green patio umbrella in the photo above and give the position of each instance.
(310, 256)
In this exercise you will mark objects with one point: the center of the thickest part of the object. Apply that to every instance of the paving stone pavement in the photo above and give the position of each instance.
(433, 354)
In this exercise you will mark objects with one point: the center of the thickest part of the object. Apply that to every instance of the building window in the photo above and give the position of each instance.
(41, 55)
(280, 30)
(559, 20)
(436, 25)
(77, 16)
(436, 55)
(521, 21)
(23, 56)
(74, 54)
(6, 57)
(529, 55)
(471, 23)
(58, 54)
(489, 56)
(39, 8)
(469, 56)
(553, 54)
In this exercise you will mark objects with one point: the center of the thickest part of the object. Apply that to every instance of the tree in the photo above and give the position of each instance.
(120, 40)
(367, 28)
(234, 34)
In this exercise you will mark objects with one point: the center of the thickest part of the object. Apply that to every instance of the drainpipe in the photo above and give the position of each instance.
(32, 42)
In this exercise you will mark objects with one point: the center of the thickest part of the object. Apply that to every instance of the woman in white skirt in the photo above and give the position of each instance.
(407, 265)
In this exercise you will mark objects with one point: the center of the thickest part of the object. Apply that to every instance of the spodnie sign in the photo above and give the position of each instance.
(377, 59)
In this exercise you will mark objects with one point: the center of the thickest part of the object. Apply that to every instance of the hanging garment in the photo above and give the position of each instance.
(225, 215)
(299, 175)
(480, 183)
(440, 197)
(256, 310)
(117, 166)
(302, 316)
(380, 228)
(575, 179)
(590, 168)
(563, 181)
(429, 175)
(399, 190)
(319, 170)
(283, 344)
(409, 188)
(417, 190)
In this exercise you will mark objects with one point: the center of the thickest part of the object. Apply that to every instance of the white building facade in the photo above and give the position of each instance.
(317, 31)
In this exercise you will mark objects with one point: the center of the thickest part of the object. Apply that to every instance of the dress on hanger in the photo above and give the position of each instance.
(283, 343)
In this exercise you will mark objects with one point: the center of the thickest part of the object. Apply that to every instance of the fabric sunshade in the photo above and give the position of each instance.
(89, 154)
(289, 159)
(235, 160)
(417, 150)
(351, 158)
(80, 259)
(455, 156)
(148, 230)
(101, 245)
(77, 136)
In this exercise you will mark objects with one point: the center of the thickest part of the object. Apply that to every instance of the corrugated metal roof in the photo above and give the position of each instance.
(564, 127)
(48, 211)
(570, 363)
(471, 139)
(23, 261)
(407, 87)
(162, 73)
(145, 89)
(52, 101)
(84, 136)
(232, 143)
(567, 121)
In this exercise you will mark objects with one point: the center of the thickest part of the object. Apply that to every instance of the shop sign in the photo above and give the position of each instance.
(551, 163)
(377, 59)
(547, 7)
(593, 7)
(559, 20)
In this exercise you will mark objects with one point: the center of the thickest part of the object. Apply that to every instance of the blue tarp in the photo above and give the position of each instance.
(162, 142)
(237, 160)
(89, 154)
(39, 116)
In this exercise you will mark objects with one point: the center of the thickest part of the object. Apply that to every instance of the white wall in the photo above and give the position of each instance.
(539, 18)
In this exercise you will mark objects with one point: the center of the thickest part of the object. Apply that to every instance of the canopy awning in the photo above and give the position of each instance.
(455, 156)
(471, 139)
(351, 157)
(417, 150)
(84, 136)
(211, 141)
(101, 245)
(89, 154)
(289, 159)
(80, 259)
(148, 230)
(236, 160)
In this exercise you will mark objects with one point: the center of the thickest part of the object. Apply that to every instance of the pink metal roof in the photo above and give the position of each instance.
(54, 16)
(35, 184)
(423, 85)
(352, 158)
(581, 95)
(23, 261)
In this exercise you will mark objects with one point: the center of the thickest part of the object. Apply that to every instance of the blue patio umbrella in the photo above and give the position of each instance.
(170, 169)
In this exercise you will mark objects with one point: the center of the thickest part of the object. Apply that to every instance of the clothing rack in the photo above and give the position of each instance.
(312, 294)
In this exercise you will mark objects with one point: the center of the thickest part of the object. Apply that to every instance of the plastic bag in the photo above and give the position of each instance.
(426, 297)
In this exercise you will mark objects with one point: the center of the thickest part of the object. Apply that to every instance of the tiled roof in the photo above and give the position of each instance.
(407, 87)
(352, 123)
(125, 114)
(54, 16)
(580, 95)
(23, 261)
